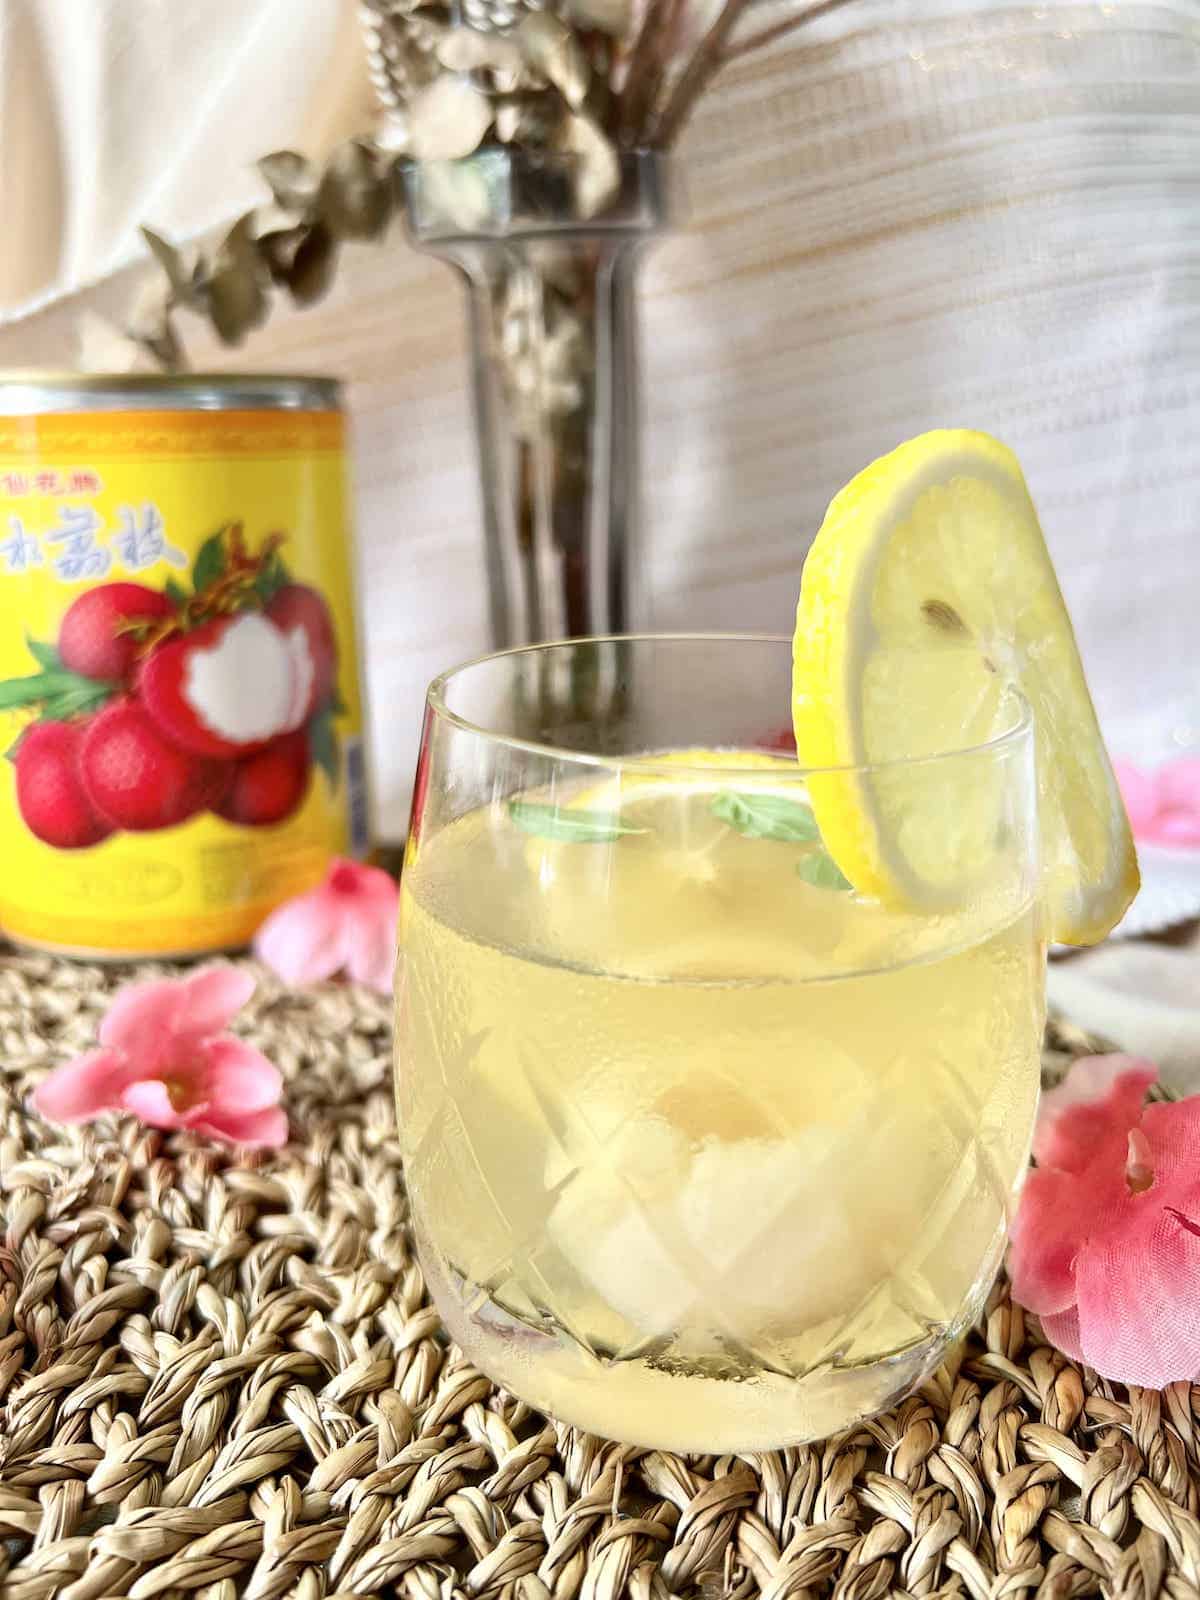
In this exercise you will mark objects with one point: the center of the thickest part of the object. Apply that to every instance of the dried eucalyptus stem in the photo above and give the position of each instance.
(703, 65)
(571, 81)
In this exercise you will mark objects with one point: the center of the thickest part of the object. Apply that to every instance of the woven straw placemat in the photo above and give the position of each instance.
(222, 1379)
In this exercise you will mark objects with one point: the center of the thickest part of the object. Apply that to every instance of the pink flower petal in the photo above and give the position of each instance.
(301, 939)
(1091, 1110)
(158, 1021)
(210, 999)
(1178, 828)
(368, 885)
(237, 1077)
(1172, 1130)
(1062, 1330)
(1058, 1211)
(1163, 806)
(256, 1130)
(1139, 1289)
(149, 1100)
(348, 922)
(371, 908)
(82, 1088)
(370, 950)
(141, 1021)
(1139, 790)
(1178, 785)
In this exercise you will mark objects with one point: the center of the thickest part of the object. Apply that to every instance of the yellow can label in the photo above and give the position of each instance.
(179, 695)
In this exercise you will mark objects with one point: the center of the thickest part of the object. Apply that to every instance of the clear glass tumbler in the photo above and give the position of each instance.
(705, 1150)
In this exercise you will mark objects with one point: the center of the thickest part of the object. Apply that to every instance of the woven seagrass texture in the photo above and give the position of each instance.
(222, 1379)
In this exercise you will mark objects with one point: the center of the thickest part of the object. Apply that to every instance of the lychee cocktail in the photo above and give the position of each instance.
(717, 1063)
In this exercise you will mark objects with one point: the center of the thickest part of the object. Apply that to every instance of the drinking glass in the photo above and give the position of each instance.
(705, 1150)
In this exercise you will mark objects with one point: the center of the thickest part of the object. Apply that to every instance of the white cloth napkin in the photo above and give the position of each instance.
(1144, 997)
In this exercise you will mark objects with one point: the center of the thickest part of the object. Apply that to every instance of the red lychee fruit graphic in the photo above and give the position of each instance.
(50, 790)
(227, 687)
(90, 637)
(269, 785)
(138, 779)
(298, 610)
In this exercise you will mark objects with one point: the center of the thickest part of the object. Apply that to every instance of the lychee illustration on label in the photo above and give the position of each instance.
(153, 706)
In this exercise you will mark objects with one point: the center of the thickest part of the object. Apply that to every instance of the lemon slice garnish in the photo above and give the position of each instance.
(927, 598)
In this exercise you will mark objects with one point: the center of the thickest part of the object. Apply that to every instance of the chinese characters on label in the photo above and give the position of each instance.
(80, 480)
(20, 550)
(142, 540)
(79, 544)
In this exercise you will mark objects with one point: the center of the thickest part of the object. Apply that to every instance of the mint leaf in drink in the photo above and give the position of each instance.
(822, 871)
(572, 827)
(767, 816)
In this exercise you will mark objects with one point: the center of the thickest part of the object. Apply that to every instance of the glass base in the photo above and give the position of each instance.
(704, 1406)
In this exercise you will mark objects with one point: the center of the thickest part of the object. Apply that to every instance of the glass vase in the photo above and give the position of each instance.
(550, 291)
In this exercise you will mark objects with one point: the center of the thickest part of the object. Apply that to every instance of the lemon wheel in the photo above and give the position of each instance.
(927, 598)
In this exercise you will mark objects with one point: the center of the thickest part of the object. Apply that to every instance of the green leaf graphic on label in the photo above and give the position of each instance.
(767, 816)
(71, 702)
(822, 871)
(273, 577)
(175, 592)
(50, 687)
(324, 747)
(210, 561)
(572, 827)
(46, 655)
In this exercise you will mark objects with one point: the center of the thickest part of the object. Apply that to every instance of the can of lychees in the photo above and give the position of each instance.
(179, 694)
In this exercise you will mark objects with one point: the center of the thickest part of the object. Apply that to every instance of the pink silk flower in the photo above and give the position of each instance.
(165, 1057)
(1163, 802)
(346, 924)
(1106, 1239)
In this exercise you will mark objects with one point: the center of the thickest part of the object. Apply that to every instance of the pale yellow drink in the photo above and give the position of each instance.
(703, 1155)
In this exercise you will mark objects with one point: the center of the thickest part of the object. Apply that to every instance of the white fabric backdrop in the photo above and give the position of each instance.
(116, 111)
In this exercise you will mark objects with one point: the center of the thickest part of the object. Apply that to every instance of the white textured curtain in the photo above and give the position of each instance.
(115, 112)
(926, 213)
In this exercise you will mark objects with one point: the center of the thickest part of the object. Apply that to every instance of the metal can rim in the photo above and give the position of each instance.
(31, 392)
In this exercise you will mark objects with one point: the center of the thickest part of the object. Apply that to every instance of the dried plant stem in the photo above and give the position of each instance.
(647, 61)
(705, 61)
(778, 30)
(601, 52)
